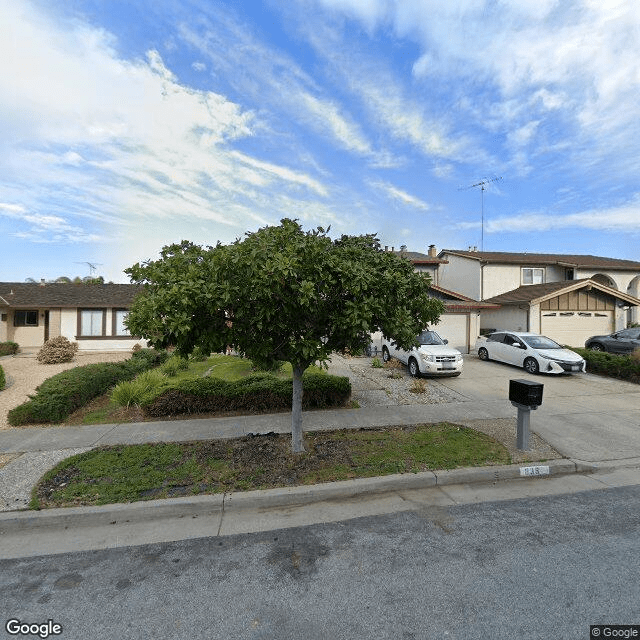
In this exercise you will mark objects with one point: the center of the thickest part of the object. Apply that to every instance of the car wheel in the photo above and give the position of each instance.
(483, 354)
(531, 365)
(386, 356)
(596, 346)
(414, 370)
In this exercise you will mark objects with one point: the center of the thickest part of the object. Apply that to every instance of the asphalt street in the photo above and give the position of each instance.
(544, 567)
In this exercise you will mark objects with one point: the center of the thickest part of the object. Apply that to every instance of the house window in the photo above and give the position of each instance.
(91, 322)
(532, 276)
(119, 327)
(25, 318)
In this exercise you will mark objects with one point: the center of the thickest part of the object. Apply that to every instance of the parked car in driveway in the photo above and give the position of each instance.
(625, 341)
(431, 357)
(533, 352)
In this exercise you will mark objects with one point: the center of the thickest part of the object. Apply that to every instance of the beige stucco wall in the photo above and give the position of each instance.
(461, 275)
(3, 324)
(499, 278)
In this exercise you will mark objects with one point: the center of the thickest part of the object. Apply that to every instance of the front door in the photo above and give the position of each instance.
(46, 326)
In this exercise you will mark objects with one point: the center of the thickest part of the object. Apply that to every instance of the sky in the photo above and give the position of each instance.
(126, 126)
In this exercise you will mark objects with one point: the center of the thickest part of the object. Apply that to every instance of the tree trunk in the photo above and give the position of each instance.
(297, 440)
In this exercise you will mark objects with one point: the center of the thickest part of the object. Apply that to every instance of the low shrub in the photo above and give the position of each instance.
(57, 350)
(173, 365)
(198, 355)
(135, 391)
(3, 380)
(376, 363)
(258, 392)
(613, 365)
(59, 396)
(8, 348)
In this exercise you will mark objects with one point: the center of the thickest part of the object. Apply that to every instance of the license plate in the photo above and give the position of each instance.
(448, 365)
(575, 367)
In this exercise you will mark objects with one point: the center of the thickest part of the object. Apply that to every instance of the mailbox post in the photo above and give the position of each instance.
(525, 395)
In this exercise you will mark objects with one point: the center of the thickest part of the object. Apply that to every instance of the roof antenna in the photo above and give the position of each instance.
(481, 184)
(92, 266)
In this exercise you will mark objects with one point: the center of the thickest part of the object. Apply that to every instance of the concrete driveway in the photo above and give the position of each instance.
(583, 416)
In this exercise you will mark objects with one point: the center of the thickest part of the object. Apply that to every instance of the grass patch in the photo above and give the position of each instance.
(148, 471)
(122, 404)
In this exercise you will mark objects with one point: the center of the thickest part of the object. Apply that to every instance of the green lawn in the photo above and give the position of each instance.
(147, 471)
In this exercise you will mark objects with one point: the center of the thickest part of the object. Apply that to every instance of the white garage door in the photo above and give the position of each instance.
(574, 327)
(454, 328)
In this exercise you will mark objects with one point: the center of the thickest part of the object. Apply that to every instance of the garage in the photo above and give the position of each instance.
(454, 327)
(568, 312)
(574, 327)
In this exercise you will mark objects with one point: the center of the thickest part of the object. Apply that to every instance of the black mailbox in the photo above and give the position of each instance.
(525, 392)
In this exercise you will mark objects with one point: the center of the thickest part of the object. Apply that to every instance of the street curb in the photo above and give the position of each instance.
(215, 505)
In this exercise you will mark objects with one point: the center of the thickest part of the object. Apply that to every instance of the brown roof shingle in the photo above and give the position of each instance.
(569, 260)
(31, 295)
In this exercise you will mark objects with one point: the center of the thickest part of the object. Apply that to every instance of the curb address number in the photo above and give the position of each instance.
(534, 471)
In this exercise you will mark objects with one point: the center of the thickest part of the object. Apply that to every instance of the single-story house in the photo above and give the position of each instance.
(90, 314)
(568, 312)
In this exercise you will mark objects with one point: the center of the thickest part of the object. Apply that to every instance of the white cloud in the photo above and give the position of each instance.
(623, 218)
(399, 195)
(576, 61)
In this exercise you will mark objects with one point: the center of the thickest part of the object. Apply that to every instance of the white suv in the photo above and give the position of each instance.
(432, 357)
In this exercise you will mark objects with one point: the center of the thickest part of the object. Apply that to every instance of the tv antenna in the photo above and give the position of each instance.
(92, 266)
(482, 184)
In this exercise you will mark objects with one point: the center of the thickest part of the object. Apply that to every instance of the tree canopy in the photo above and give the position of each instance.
(281, 294)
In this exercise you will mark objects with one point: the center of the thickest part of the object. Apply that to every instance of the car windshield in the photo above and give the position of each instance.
(429, 337)
(540, 342)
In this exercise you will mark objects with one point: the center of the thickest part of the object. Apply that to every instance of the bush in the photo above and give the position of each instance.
(135, 391)
(57, 350)
(609, 364)
(266, 364)
(173, 365)
(59, 396)
(198, 355)
(8, 348)
(258, 392)
(3, 380)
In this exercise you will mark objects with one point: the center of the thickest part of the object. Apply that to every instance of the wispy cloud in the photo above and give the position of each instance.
(624, 218)
(399, 195)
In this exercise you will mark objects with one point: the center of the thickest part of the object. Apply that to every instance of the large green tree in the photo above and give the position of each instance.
(281, 294)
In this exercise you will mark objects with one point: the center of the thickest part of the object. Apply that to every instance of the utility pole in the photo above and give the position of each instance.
(482, 184)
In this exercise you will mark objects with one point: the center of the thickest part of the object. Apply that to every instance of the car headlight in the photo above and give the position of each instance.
(459, 357)
(427, 358)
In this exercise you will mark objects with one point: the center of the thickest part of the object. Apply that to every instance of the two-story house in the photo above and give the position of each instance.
(567, 297)
(460, 323)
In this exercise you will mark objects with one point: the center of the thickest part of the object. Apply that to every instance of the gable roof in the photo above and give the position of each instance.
(21, 295)
(564, 260)
(536, 293)
(458, 302)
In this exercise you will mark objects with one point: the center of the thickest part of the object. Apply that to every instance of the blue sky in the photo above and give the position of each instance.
(129, 125)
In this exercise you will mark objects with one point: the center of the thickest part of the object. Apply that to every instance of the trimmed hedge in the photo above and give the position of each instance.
(259, 392)
(8, 348)
(3, 380)
(59, 396)
(613, 365)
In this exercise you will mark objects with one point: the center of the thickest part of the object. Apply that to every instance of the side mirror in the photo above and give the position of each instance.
(516, 344)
